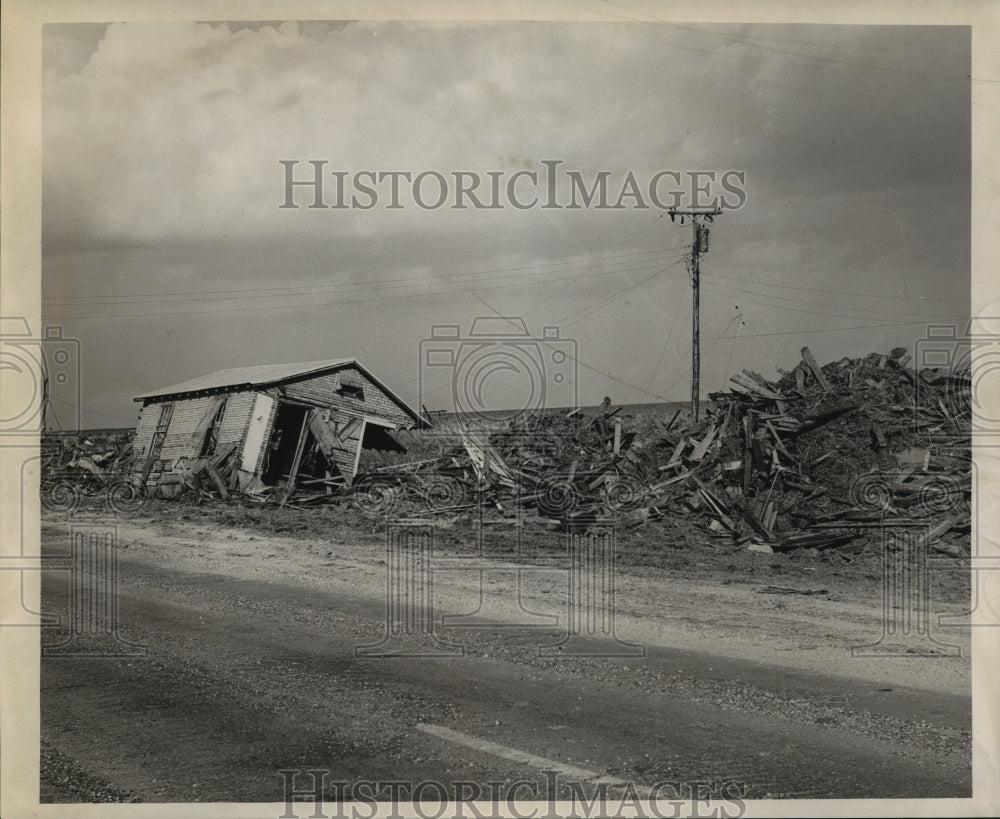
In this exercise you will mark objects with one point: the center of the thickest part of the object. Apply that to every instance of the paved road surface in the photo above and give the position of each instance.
(246, 678)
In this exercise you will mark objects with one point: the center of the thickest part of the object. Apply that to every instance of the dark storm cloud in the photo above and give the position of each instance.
(161, 175)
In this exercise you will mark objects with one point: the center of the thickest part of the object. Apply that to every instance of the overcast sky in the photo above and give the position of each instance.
(166, 253)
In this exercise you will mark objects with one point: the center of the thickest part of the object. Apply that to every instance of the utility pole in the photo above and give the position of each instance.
(698, 218)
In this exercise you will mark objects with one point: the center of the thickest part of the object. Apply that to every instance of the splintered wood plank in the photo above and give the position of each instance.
(216, 480)
(675, 459)
(810, 362)
(322, 433)
(223, 453)
(752, 386)
(759, 379)
(769, 516)
(777, 440)
(747, 450)
(699, 451)
(880, 440)
(348, 428)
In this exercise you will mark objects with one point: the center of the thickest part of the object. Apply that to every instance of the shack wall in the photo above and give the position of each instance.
(188, 414)
(267, 431)
(144, 429)
(322, 391)
(338, 407)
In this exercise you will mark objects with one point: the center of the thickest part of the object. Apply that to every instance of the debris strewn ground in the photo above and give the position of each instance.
(74, 468)
(821, 458)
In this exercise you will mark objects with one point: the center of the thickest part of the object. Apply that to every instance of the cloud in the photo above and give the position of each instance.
(161, 149)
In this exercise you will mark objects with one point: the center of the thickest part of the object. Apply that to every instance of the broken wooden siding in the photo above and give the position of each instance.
(144, 429)
(188, 416)
(339, 438)
(324, 391)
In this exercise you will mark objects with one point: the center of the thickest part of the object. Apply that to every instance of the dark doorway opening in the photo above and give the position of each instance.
(281, 448)
(380, 439)
(378, 446)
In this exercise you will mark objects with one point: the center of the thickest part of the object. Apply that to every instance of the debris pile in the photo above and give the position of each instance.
(570, 468)
(210, 477)
(818, 459)
(73, 468)
(827, 455)
(821, 458)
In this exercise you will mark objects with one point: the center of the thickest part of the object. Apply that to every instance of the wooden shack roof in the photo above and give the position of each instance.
(268, 375)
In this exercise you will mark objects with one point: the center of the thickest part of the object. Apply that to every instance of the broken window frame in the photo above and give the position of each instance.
(355, 391)
(211, 441)
(162, 425)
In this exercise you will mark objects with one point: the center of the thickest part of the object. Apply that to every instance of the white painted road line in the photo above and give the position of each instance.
(514, 755)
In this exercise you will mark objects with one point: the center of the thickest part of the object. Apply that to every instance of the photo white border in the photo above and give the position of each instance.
(20, 272)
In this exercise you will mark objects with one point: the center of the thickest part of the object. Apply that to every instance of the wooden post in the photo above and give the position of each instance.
(299, 446)
(747, 451)
(695, 322)
(698, 246)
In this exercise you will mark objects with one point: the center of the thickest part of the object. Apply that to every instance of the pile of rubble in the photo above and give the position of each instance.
(821, 458)
(828, 455)
(103, 467)
(198, 479)
(73, 468)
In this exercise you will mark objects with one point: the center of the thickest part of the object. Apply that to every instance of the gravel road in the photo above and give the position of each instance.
(250, 669)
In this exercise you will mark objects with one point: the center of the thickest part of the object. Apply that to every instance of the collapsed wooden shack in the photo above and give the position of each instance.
(265, 430)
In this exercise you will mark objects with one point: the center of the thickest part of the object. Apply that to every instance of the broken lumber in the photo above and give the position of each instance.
(815, 369)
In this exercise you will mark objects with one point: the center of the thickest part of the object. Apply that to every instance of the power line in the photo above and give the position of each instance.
(833, 329)
(269, 307)
(302, 290)
(666, 341)
(92, 412)
(584, 364)
(589, 310)
(732, 348)
(847, 312)
(682, 372)
(799, 332)
(594, 308)
(834, 292)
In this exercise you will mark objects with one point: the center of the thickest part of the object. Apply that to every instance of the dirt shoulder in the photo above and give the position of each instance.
(669, 593)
